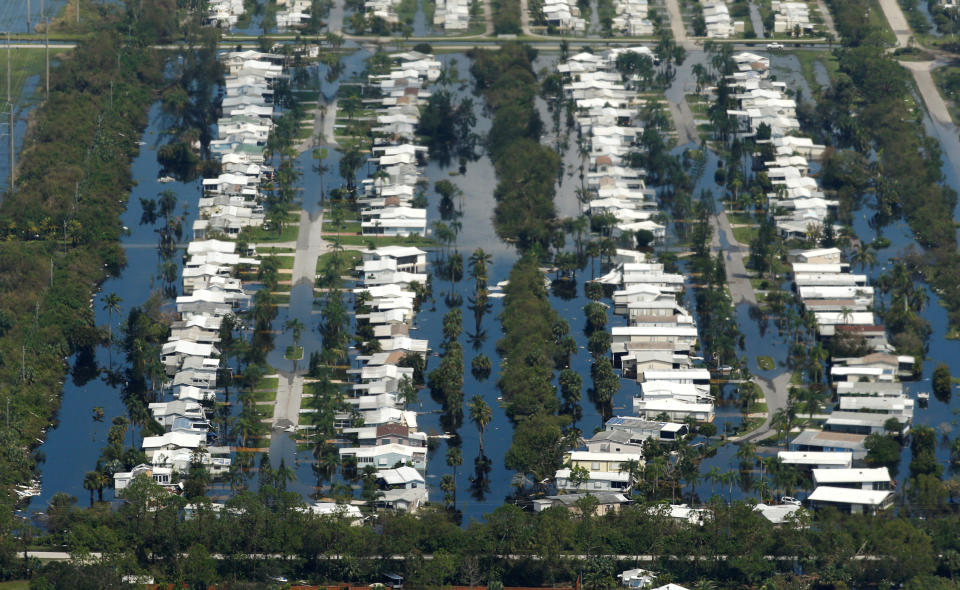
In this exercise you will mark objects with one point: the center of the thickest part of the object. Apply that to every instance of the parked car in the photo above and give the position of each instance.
(789, 500)
(772, 46)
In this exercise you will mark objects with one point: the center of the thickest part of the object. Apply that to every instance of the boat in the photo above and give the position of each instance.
(166, 179)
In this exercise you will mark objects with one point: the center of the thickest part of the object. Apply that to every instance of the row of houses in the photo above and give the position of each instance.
(564, 16)
(452, 15)
(387, 197)
(385, 9)
(791, 18)
(211, 291)
(610, 120)
(764, 108)
(293, 13)
(224, 13)
(719, 23)
(870, 398)
(386, 435)
(655, 347)
(631, 18)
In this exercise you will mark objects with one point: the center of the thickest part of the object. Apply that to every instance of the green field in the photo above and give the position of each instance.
(24, 63)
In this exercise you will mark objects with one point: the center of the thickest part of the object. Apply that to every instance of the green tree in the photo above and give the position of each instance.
(942, 382)
(480, 414)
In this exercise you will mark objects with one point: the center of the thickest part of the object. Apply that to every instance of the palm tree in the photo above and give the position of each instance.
(634, 469)
(111, 303)
(864, 255)
(479, 261)
(747, 453)
(481, 415)
(454, 459)
(714, 476)
(91, 481)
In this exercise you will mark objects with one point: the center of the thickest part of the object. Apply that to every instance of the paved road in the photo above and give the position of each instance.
(828, 19)
(286, 412)
(776, 392)
(684, 122)
(676, 24)
(898, 22)
(335, 18)
(525, 17)
(488, 17)
(756, 20)
(310, 245)
(738, 279)
(928, 89)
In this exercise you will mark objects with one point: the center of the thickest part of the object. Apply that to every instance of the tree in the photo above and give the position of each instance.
(480, 367)
(942, 382)
(882, 451)
(200, 568)
(91, 482)
(480, 414)
(111, 303)
(455, 460)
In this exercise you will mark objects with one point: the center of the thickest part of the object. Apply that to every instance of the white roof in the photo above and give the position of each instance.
(400, 475)
(677, 375)
(597, 475)
(211, 246)
(849, 496)
(828, 476)
(586, 456)
(334, 509)
(187, 440)
(816, 457)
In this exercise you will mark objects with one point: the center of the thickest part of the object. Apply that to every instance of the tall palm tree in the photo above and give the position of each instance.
(454, 459)
(481, 414)
(111, 303)
(479, 262)
(864, 256)
(91, 481)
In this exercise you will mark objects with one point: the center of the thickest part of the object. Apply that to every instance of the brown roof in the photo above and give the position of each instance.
(839, 436)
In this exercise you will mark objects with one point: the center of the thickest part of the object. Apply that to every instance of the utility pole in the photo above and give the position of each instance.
(13, 157)
(29, 27)
(46, 41)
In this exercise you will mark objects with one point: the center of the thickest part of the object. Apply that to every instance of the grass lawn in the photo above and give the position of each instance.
(24, 63)
(266, 395)
(284, 262)
(759, 284)
(258, 235)
(808, 61)
(741, 218)
(269, 383)
(349, 227)
(15, 585)
(292, 354)
(796, 378)
(352, 258)
(265, 412)
(282, 298)
(386, 241)
(947, 79)
(745, 235)
(275, 250)
(766, 363)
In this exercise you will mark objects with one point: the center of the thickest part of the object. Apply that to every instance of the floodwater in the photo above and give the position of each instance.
(14, 14)
(73, 446)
